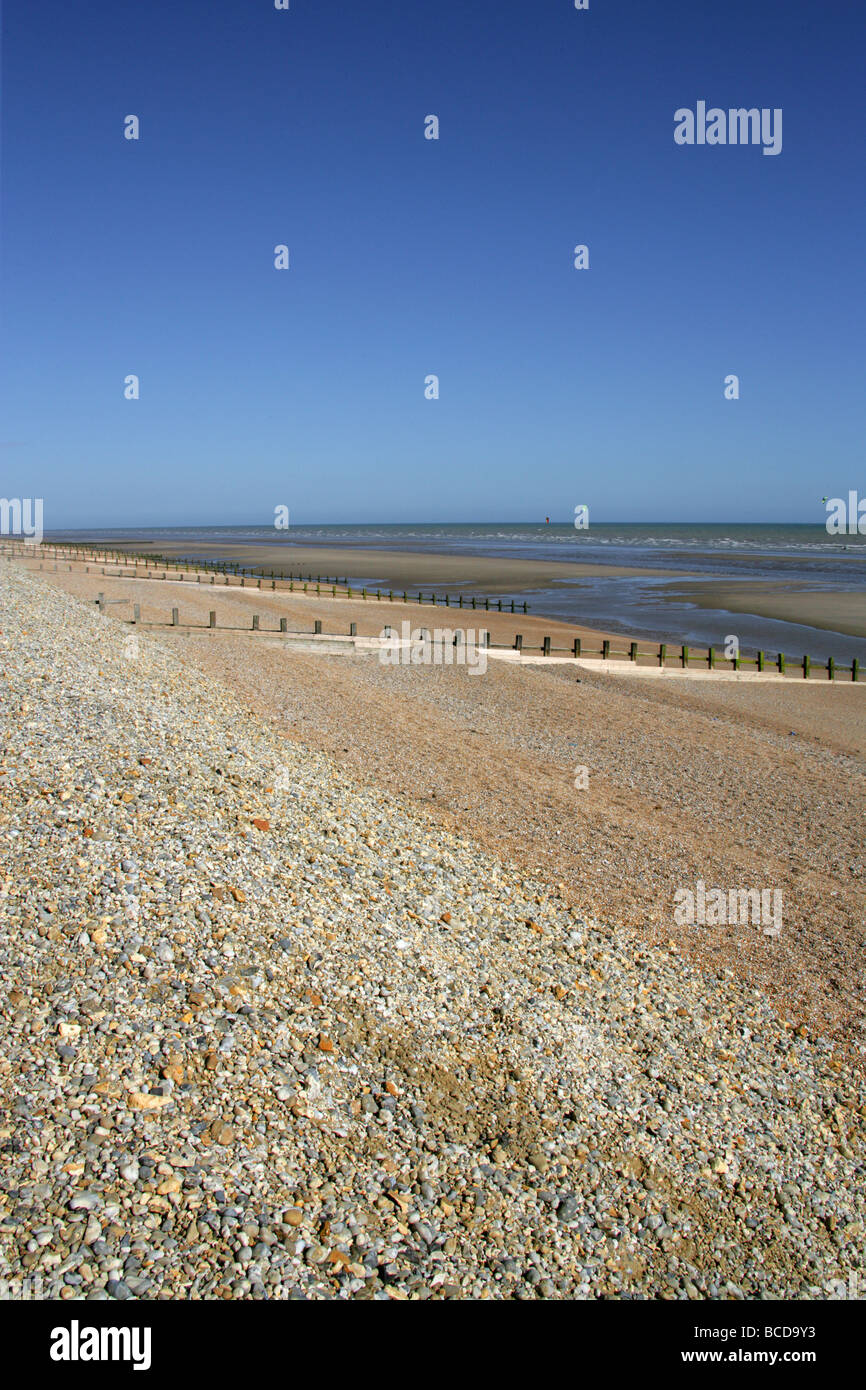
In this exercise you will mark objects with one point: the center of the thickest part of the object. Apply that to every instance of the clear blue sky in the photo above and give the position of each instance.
(411, 257)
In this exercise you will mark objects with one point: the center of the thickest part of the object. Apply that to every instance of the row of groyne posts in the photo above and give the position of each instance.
(683, 657)
(323, 586)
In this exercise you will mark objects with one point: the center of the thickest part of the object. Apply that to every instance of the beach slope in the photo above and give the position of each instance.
(267, 1029)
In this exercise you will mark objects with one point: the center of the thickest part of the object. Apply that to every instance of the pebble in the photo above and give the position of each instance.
(354, 1054)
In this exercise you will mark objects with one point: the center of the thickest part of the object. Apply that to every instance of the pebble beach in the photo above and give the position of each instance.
(273, 1030)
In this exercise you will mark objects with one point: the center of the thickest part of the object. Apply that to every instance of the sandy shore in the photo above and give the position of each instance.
(394, 569)
(842, 611)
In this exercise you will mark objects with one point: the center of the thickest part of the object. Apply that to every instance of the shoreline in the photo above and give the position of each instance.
(399, 569)
(841, 611)
(372, 613)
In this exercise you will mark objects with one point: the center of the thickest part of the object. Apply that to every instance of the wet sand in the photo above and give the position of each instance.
(395, 569)
(834, 611)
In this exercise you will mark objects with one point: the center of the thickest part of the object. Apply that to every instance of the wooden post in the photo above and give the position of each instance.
(353, 629)
(684, 657)
(831, 669)
(759, 661)
(487, 605)
(711, 658)
(174, 617)
(212, 618)
(632, 652)
(284, 623)
(500, 605)
(545, 647)
(363, 592)
(577, 646)
(518, 642)
(855, 669)
(780, 663)
(605, 650)
(663, 651)
(255, 622)
(806, 665)
(317, 626)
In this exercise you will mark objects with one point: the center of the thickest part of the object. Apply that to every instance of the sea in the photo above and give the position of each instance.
(637, 606)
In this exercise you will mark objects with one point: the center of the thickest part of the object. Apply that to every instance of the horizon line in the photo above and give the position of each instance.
(285, 533)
